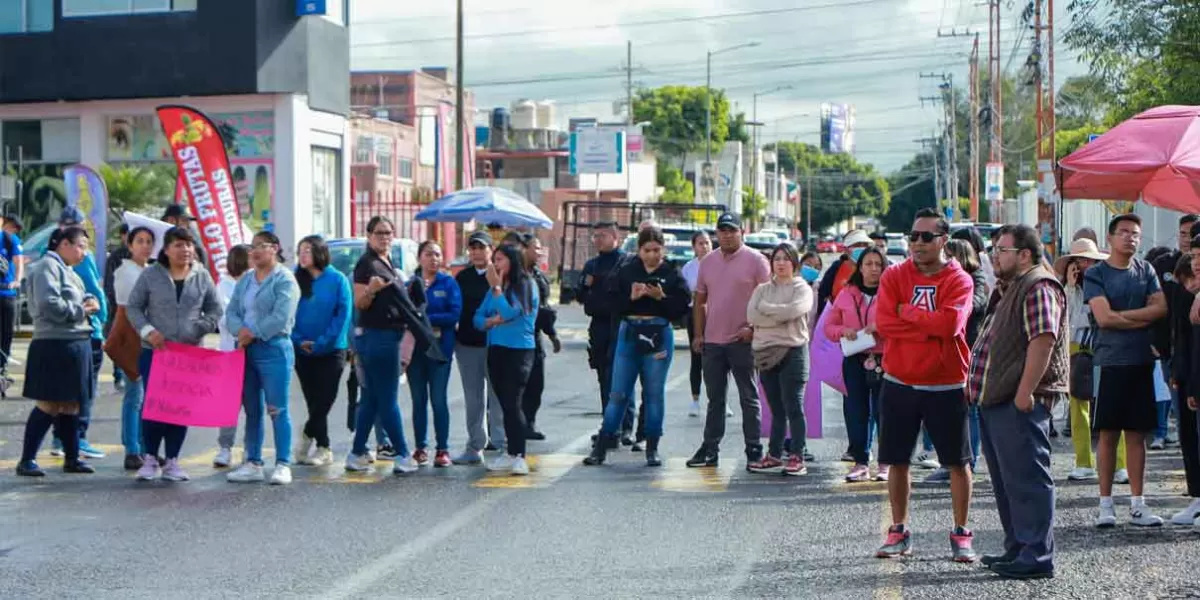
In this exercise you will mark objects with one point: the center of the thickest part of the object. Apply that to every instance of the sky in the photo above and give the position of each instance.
(869, 53)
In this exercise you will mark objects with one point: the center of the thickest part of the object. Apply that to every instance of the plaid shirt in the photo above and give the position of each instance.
(1043, 309)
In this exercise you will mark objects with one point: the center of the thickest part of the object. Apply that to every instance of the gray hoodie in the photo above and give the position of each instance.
(153, 305)
(56, 301)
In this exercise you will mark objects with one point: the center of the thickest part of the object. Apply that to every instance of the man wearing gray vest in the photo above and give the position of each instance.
(1018, 371)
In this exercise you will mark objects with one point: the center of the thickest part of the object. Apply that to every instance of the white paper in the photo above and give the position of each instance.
(863, 342)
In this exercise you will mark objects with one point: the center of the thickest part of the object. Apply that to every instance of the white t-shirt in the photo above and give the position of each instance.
(124, 278)
(691, 272)
(225, 291)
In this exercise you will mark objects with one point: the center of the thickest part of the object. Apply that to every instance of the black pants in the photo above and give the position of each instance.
(8, 324)
(532, 400)
(1189, 441)
(320, 377)
(508, 370)
(351, 393)
(600, 355)
(697, 359)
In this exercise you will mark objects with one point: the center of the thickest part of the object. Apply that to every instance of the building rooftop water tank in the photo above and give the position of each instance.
(547, 115)
(524, 114)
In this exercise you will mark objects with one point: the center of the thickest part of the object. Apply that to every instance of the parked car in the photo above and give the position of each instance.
(897, 245)
(830, 245)
(345, 252)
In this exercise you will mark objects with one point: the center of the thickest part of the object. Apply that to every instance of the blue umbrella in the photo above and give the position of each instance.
(488, 205)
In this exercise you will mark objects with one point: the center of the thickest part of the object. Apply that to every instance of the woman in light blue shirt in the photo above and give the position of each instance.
(509, 315)
(263, 311)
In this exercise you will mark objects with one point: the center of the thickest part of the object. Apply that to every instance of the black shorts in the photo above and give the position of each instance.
(902, 412)
(1126, 399)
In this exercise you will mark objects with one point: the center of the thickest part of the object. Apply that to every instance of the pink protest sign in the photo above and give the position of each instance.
(194, 386)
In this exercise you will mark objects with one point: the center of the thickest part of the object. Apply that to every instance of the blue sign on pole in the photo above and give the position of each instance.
(1092, 137)
(310, 7)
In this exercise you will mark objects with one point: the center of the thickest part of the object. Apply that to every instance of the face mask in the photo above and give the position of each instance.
(809, 274)
(857, 252)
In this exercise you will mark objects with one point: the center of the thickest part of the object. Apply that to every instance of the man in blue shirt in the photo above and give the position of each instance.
(93, 286)
(10, 286)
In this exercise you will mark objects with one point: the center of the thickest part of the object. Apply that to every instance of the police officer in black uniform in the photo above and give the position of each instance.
(593, 294)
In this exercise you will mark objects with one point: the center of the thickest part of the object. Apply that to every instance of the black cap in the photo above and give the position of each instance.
(177, 211)
(729, 220)
(70, 216)
(480, 237)
(15, 221)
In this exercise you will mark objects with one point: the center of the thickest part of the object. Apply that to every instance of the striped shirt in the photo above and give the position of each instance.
(1043, 309)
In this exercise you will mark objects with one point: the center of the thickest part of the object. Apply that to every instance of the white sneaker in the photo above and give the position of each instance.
(247, 473)
(926, 461)
(358, 464)
(519, 466)
(694, 411)
(305, 449)
(322, 457)
(224, 458)
(280, 475)
(728, 411)
(502, 462)
(1141, 516)
(1082, 474)
(1188, 515)
(1107, 518)
(404, 465)
(1158, 444)
(1121, 476)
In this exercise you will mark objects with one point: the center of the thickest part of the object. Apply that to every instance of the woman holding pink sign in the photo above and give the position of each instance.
(174, 300)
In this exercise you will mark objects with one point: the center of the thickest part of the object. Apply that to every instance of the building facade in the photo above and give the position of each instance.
(70, 93)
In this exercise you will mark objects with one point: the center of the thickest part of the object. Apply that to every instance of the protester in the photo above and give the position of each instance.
(601, 331)
(1125, 299)
(779, 311)
(90, 275)
(1019, 369)
(140, 245)
(964, 252)
(972, 236)
(263, 313)
(701, 247)
(174, 300)
(547, 317)
(58, 370)
(429, 380)
(12, 271)
(810, 267)
(647, 295)
(726, 281)
(1184, 381)
(236, 265)
(853, 313)
(319, 341)
(384, 312)
(924, 305)
(508, 314)
(177, 215)
(840, 271)
(485, 419)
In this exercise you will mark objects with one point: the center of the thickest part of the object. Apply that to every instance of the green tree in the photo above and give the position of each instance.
(676, 188)
(138, 188)
(676, 115)
(914, 190)
(839, 186)
(753, 205)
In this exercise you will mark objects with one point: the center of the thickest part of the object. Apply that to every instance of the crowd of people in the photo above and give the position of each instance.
(960, 352)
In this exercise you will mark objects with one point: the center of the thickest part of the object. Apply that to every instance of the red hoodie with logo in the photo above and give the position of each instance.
(924, 319)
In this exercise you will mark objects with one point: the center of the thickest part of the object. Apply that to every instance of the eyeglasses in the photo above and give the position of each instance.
(1125, 233)
(1005, 249)
(264, 246)
(923, 236)
(383, 233)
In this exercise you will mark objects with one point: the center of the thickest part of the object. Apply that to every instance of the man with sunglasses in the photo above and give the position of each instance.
(1126, 299)
(924, 303)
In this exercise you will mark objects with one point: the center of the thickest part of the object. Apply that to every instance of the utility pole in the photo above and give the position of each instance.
(628, 117)
(973, 141)
(937, 185)
(950, 134)
(459, 110)
(1042, 61)
(995, 77)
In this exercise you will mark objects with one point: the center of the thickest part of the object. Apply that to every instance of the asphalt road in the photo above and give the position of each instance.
(566, 531)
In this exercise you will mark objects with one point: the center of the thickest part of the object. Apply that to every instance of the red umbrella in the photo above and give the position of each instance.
(1153, 157)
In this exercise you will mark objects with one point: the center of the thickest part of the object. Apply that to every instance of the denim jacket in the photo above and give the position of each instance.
(274, 305)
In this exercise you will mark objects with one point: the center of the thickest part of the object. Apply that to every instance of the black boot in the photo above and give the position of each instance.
(599, 451)
(652, 458)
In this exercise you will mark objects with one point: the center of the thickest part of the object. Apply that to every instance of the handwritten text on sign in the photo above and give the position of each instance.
(194, 386)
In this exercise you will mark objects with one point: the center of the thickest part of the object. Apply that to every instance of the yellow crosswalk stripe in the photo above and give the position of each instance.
(677, 477)
(544, 470)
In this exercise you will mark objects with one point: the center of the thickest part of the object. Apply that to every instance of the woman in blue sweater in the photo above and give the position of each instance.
(319, 341)
(508, 314)
(428, 380)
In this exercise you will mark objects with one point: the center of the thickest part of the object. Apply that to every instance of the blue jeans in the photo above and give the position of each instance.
(429, 383)
(378, 366)
(131, 417)
(1016, 446)
(629, 364)
(858, 405)
(268, 381)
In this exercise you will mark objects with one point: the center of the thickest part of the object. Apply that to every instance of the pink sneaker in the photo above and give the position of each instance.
(882, 473)
(173, 472)
(149, 470)
(858, 474)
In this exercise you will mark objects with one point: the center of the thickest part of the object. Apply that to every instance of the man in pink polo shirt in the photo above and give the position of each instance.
(725, 281)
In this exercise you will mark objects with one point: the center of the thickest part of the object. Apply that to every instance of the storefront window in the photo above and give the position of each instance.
(49, 140)
(327, 190)
(93, 8)
(26, 16)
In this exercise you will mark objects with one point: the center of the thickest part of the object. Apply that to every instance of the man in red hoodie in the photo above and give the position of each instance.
(924, 304)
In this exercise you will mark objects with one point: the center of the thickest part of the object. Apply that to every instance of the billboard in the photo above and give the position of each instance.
(837, 128)
(706, 177)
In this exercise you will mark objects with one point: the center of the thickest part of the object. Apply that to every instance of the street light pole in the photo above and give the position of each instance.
(459, 110)
(754, 151)
(708, 95)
